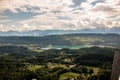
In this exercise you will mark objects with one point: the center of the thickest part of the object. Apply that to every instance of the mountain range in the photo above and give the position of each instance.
(59, 32)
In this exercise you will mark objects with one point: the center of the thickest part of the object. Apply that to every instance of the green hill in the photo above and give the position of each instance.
(68, 39)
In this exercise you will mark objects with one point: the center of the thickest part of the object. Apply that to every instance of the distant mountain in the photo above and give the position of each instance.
(59, 32)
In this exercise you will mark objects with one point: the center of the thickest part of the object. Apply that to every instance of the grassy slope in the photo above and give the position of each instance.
(68, 75)
(34, 67)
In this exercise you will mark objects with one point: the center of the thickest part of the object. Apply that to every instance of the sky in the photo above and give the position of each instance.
(22, 15)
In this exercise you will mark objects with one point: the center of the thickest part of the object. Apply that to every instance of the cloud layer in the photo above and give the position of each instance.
(58, 14)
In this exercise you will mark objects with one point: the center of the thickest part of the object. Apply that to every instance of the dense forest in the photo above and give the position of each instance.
(21, 63)
(66, 39)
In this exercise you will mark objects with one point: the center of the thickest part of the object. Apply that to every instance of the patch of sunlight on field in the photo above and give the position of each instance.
(38, 50)
(95, 69)
(53, 65)
(34, 67)
(68, 75)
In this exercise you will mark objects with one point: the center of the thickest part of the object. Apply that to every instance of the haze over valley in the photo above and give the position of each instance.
(58, 39)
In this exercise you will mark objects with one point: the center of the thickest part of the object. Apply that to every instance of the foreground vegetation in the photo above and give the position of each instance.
(21, 63)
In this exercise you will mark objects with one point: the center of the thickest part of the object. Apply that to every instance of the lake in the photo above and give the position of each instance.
(64, 46)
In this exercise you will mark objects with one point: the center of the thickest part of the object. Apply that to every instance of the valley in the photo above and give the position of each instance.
(21, 63)
(58, 57)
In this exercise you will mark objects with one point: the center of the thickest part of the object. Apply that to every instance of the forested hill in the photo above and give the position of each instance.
(67, 39)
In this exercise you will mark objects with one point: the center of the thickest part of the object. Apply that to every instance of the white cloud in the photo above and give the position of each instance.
(86, 15)
(7, 28)
(25, 5)
(3, 21)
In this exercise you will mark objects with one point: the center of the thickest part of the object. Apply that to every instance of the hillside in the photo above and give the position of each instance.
(112, 40)
(54, 64)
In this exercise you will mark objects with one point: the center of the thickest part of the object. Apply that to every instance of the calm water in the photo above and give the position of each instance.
(63, 46)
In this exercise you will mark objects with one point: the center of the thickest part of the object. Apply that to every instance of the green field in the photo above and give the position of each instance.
(38, 50)
(50, 65)
(95, 69)
(34, 67)
(68, 75)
